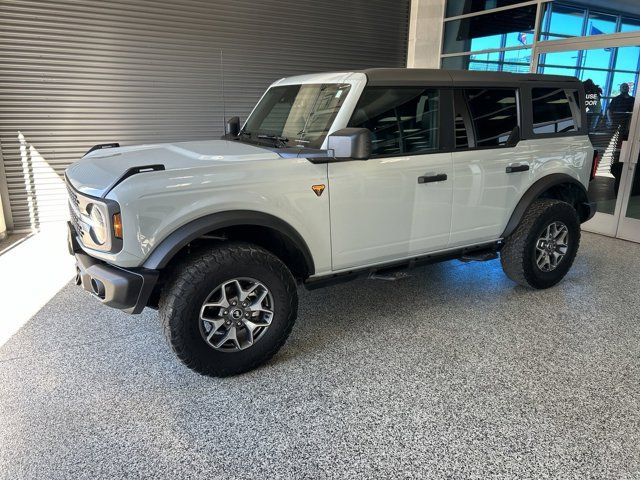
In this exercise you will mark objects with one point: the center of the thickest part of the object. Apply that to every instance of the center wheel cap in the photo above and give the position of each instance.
(236, 314)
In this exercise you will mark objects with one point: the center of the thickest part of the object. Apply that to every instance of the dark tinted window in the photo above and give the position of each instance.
(461, 7)
(401, 120)
(493, 116)
(490, 30)
(555, 110)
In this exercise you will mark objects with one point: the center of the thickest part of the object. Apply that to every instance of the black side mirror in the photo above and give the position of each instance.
(233, 126)
(350, 143)
(514, 137)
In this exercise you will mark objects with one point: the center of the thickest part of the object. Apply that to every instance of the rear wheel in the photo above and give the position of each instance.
(229, 309)
(541, 250)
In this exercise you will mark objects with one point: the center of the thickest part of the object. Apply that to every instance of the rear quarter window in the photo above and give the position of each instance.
(555, 110)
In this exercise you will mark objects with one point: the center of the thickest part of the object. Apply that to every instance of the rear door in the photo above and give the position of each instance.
(397, 203)
(491, 166)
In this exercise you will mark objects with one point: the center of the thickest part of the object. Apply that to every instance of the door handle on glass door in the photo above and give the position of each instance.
(440, 177)
(517, 168)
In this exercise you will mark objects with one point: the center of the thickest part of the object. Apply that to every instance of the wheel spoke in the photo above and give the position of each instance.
(222, 302)
(250, 327)
(257, 303)
(232, 334)
(215, 326)
(263, 310)
(544, 262)
(255, 323)
(561, 239)
(237, 285)
(204, 308)
(245, 293)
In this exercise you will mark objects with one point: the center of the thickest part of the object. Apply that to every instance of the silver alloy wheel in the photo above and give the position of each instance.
(552, 246)
(236, 314)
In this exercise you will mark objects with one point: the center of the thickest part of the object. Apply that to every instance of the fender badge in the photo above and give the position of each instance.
(317, 189)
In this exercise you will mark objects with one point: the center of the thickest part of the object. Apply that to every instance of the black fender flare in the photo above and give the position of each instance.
(185, 234)
(536, 190)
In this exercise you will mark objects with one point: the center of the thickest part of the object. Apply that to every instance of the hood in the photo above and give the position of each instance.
(99, 171)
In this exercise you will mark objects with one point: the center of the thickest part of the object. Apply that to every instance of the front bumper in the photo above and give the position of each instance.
(126, 290)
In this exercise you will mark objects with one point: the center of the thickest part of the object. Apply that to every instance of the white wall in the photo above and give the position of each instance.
(425, 33)
(3, 226)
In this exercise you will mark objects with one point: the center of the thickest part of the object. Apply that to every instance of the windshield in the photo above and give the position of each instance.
(296, 115)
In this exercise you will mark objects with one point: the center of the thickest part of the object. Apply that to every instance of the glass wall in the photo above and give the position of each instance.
(498, 35)
(513, 27)
(563, 20)
(517, 61)
(610, 77)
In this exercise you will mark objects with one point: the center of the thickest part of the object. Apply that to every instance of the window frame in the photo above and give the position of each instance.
(445, 114)
(459, 91)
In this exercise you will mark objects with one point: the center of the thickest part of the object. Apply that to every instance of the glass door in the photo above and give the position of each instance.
(609, 69)
(629, 224)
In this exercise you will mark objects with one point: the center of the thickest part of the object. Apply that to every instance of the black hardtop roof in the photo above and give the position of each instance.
(415, 76)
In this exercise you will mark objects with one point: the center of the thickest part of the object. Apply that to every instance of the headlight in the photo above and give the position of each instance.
(96, 221)
(98, 224)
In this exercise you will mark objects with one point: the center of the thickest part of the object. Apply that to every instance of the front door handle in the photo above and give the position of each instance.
(517, 168)
(440, 177)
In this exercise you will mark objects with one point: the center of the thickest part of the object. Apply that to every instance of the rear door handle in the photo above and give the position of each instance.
(517, 168)
(440, 177)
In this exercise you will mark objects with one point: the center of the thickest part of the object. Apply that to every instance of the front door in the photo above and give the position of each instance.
(397, 204)
(609, 69)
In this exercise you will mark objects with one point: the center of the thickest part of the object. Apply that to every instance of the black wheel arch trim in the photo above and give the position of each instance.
(536, 190)
(182, 236)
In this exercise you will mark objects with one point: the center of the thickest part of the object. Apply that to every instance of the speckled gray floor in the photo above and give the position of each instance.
(452, 373)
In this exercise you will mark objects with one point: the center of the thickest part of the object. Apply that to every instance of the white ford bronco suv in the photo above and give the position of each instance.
(332, 175)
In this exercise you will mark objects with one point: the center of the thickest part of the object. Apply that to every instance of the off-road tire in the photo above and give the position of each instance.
(193, 279)
(518, 256)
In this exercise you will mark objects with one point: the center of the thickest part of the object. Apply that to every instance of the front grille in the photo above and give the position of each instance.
(74, 211)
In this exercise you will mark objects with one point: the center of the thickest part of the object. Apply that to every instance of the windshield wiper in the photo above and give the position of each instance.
(279, 139)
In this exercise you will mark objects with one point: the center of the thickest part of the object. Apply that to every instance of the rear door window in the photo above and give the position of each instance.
(555, 110)
(493, 115)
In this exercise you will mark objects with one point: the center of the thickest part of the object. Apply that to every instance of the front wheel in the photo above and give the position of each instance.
(229, 309)
(541, 250)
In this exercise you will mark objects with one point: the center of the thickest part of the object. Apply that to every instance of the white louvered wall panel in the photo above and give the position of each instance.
(77, 73)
